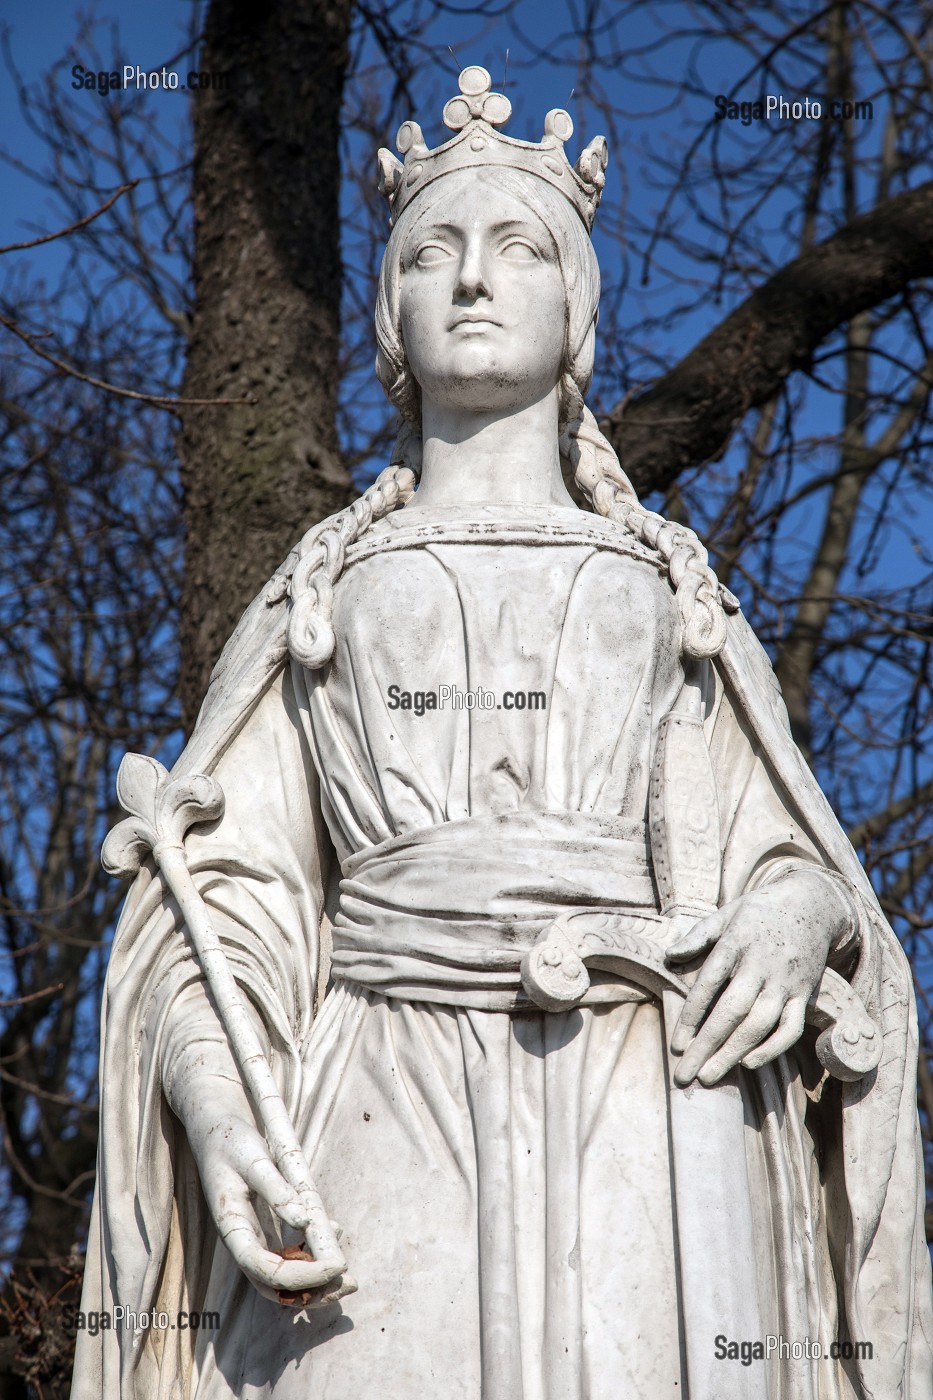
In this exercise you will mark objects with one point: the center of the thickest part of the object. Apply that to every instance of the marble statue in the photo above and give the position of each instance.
(498, 1010)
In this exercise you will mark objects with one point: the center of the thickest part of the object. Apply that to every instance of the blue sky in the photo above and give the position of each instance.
(640, 77)
(40, 36)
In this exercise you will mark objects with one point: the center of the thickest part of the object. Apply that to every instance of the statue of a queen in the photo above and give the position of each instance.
(561, 974)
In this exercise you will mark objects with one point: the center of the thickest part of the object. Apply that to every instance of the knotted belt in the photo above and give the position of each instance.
(446, 914)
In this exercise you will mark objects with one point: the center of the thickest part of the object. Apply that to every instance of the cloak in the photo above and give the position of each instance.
(847, 1258)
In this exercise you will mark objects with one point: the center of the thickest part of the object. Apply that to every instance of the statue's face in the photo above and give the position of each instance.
(482, 300)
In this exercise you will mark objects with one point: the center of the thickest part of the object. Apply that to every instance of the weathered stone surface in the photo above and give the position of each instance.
(492, 913)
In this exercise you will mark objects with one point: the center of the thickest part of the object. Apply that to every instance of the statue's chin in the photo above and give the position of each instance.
(484, 389)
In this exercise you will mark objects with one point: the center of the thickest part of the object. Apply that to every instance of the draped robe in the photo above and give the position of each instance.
(504, 1176)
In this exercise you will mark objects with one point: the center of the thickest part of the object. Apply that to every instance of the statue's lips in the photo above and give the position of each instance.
(480, 323)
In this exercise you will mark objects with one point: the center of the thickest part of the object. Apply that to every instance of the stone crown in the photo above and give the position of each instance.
(475, 114)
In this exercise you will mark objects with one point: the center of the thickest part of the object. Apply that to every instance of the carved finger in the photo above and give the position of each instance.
(247, 1154)
(728, 1013)
(789, 1030)
(240, 1231)
(713, 975)
(704, 933)
(759, 1022)
(267, 1181)
(228, 1197)
(322, 1238)
(270, 1272)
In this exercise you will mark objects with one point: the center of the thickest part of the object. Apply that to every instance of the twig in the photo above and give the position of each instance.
(72, 228)
(156, 400)
(33, 996)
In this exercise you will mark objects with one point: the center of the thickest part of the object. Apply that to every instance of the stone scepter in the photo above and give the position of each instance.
(161, 809)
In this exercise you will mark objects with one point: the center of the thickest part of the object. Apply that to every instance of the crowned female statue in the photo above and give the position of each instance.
(595, 1041)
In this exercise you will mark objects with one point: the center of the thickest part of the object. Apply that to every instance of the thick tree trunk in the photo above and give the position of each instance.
(267, 309)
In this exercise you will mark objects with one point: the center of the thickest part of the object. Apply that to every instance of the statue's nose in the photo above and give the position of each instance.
(474, 277)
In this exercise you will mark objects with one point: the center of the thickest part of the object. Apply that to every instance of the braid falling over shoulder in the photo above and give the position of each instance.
(309, 633)
(601, 479)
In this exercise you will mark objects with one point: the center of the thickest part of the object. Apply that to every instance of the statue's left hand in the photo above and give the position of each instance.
(769, 949)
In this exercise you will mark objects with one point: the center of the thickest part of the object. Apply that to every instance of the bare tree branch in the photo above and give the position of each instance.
(72, 228)
(687, 417)
(154, 400)
(869, 827)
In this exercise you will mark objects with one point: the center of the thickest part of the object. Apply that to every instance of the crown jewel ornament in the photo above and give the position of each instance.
(475, 115)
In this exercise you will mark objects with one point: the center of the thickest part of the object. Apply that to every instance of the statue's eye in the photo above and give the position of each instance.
(430, 254)
(519, 250)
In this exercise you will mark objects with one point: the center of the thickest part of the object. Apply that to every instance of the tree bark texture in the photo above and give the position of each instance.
(266, 318)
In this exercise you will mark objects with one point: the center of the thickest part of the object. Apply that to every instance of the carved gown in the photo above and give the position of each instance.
(504, 1176)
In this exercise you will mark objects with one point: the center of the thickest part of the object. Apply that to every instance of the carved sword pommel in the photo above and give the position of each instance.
(555, 972)
(850, 1043)
(555, 975)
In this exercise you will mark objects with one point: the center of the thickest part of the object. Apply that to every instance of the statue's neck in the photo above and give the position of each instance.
(490, 459)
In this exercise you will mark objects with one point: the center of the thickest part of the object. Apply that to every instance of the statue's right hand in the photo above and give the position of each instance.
(235, 1168)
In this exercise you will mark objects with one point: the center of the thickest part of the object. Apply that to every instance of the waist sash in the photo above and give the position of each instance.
(446, 914)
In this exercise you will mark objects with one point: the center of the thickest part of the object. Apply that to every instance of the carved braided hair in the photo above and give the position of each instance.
(310, 634)
(588, 452)
(597, 472)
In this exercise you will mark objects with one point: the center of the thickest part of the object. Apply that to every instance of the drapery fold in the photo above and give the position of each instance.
(461, 942)
(504, 1180)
